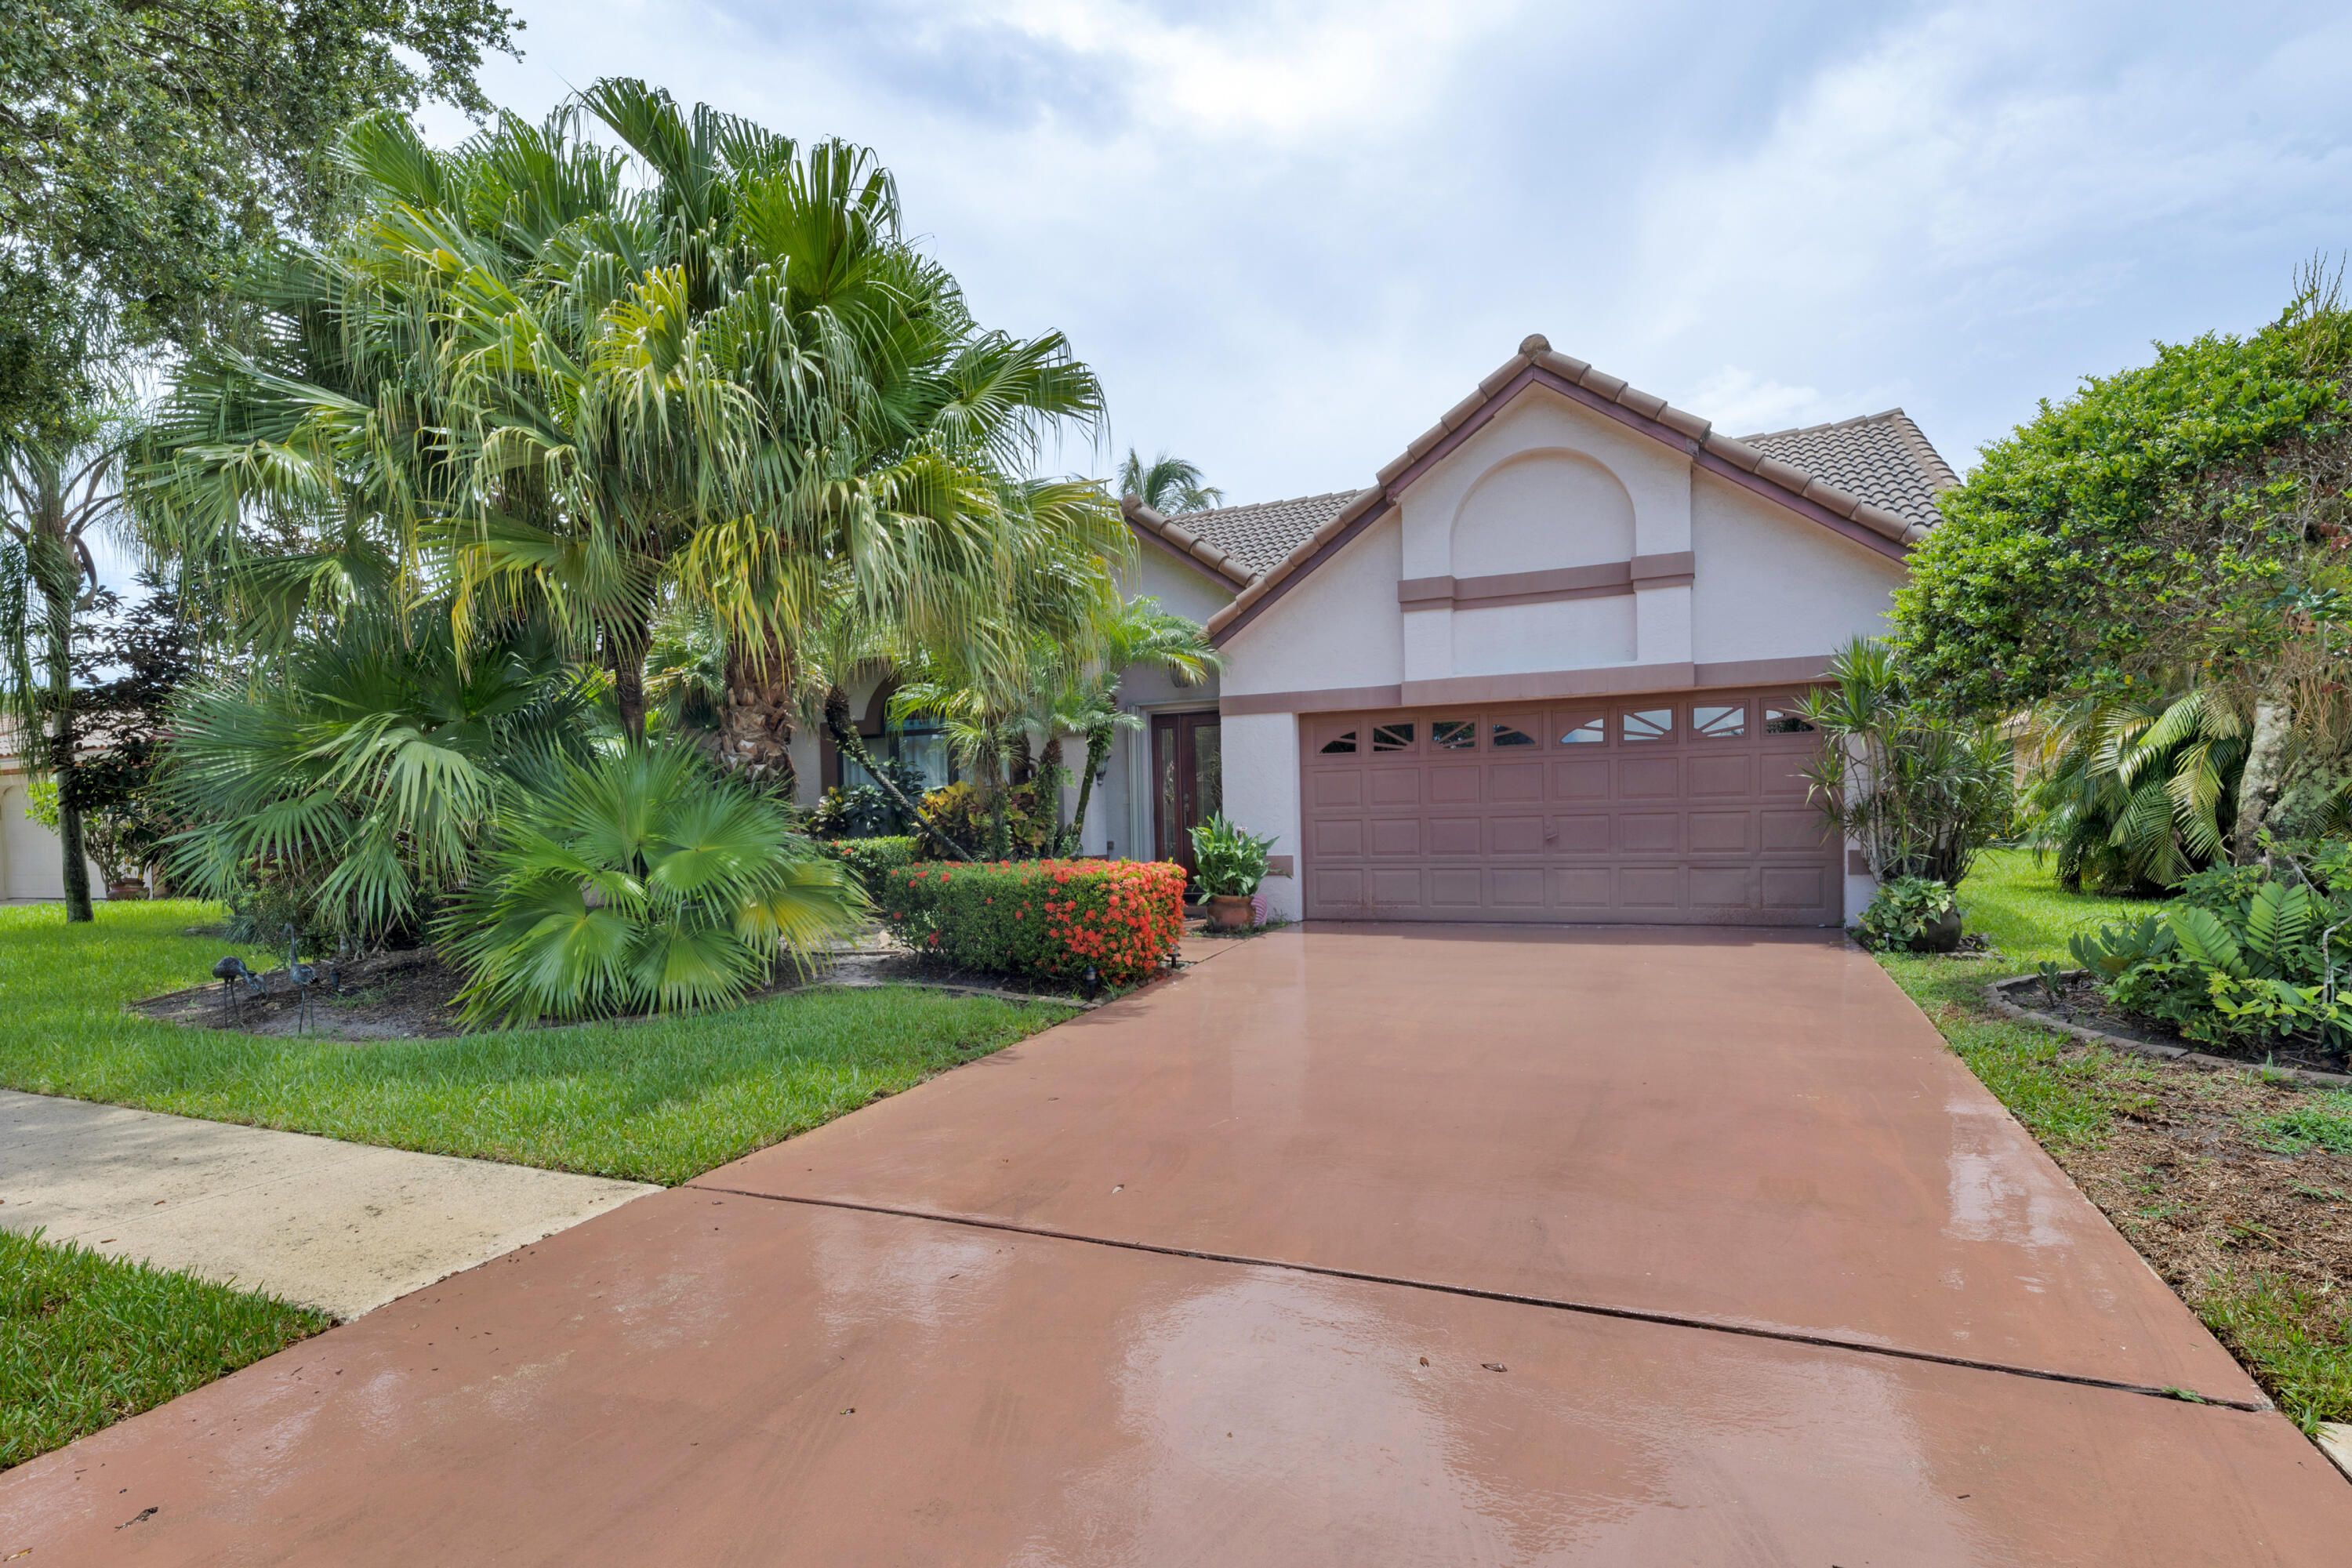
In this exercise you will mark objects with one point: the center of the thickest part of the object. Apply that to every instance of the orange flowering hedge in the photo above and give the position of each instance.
(1047, 918)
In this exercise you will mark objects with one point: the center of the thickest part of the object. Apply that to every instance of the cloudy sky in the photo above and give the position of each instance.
(1290, 234)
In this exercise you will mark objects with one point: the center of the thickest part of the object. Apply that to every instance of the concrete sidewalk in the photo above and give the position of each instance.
(1386, 1247)
(343, 1226)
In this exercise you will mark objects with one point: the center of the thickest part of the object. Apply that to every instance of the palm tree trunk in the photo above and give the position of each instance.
(850, 743)
(1097, 753)
(2266, 763)
(49, 557)
(1049, 769)
(755, 718)
(627, 643)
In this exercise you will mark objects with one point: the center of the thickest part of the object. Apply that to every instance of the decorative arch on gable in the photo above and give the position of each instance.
(1541, 509)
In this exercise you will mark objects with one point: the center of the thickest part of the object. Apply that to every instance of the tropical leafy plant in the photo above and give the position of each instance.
(1921, 791)
(2240, 958)
(1226, 861)
(639, 880)
(1904, 914)
(2132, 795)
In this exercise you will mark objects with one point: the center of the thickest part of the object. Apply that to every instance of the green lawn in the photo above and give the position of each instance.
(2069, 1096)
(86, 1341)
(658, 1101)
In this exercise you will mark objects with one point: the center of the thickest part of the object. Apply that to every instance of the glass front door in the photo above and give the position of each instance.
(1189, 779)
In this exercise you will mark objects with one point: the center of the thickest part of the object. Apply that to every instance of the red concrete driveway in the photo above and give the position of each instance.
(1349, 1246)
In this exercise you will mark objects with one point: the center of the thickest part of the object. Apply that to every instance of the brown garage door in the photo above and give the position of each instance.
(1683, 809)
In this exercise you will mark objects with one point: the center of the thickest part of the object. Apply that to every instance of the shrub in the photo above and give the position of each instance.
(1904, 914)
(1051, 918)
(965, 813)
(868, 858)
(1228, 861)
(638, 881)
(2240, 958)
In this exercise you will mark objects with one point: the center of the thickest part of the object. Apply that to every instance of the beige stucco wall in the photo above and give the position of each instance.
(1774, 585)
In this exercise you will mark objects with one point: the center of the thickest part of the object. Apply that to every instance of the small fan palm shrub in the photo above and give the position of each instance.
(639, 881)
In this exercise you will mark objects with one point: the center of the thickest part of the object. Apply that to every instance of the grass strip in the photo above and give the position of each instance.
(86, 1341)
(662, 1100)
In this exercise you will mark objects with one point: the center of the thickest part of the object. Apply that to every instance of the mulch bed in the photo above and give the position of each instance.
(412, 995)
(2182, 1173)
(2080, 1003)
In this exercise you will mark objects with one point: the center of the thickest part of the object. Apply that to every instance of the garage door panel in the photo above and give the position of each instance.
(1649, 832)
(1517, 887)
(1796, 888)
(1337, 838)
(1650, 887)
(1583, 888)
(1454, 836)
(1793, 829)
(1513, 836)
(1719, 775)
(1337, 789)
(1455, 887)
(1455, 784)
(1515, 782)
(1722, 887)
(1586, 778)
(1720, 832)
(1649, 778)
(1671, 809)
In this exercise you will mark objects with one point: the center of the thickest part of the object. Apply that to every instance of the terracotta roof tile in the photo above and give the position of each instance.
(1252, 537)
(1881, 458)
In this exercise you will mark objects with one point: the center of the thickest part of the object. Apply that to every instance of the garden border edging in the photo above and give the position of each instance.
(1998, 992)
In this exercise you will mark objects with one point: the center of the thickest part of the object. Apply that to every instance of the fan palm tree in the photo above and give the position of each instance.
(2131, 793)
(363, 770)
(1167, 485)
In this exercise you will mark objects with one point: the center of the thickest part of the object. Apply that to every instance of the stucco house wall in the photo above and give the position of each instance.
(1728, 587)
(31, 861)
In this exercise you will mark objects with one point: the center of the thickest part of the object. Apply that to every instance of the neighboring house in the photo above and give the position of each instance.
(1544, 669)
(31, 861)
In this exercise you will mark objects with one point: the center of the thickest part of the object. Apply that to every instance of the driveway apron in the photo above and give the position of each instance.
(1348, 1247)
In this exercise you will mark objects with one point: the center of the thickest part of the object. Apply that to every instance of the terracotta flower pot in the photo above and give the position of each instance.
(125, 892)
(1229, 911)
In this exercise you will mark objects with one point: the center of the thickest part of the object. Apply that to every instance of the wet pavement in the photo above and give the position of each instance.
(1612, 1247)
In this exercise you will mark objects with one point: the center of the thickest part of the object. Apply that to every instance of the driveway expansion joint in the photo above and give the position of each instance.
(1586, 1308)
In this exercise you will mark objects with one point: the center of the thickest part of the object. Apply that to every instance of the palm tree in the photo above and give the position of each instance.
(1167, 485)
(2131, 793)
(1142, 635)
(57, 486)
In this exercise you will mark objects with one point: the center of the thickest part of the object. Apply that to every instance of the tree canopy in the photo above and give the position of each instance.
(147, 149)
(2167, 516)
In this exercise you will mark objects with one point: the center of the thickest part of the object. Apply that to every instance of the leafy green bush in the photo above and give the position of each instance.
(2241, 959)
(639, 880)
(966, 813)
(868, 858)
(1227, 861)
(1904, 914)
(1051, 918)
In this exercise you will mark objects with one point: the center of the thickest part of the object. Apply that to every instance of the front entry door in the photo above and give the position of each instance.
(1189, 781)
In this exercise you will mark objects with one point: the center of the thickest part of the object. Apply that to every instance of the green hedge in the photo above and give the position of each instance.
(1049, 918)
(869, 858)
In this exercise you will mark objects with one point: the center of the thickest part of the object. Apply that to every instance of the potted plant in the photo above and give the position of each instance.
(1229, 864)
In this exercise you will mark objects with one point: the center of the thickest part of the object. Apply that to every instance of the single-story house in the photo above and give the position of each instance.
(1543, 669)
